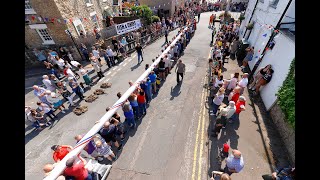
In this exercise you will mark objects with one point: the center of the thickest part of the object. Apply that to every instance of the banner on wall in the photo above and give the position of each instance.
(128, 26)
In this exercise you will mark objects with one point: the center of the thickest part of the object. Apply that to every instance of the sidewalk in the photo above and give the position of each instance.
(254, 135)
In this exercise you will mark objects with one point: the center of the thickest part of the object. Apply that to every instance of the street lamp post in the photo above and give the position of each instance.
(69, 33)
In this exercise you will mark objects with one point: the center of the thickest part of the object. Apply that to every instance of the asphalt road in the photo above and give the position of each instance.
(171, 141)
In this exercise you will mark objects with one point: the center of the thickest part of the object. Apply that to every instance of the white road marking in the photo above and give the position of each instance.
(115, 68)
(121, 63)
(113, 74)
(27, 155)
(108, 73)
(101, 79)
(130, 60)
(44, 140)
(134, 56)
(119, 69)
(124, 64)
(107, 80)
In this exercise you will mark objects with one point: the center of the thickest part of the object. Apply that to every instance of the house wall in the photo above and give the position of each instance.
(264, 14)
(280, 57)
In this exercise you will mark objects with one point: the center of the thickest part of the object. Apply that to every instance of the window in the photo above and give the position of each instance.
(79, 27)
(274, 3)
(42, 30)
(88, 3)
(28, 8)
(94, 19)
(45, 36)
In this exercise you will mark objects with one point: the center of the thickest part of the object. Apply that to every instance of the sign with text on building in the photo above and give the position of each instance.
(128, 26)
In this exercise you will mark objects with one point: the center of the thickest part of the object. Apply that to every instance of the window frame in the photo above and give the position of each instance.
(88, 3)
(39, 27)
(274, 3)
(29, 10)
(76, 23)
(96, 23)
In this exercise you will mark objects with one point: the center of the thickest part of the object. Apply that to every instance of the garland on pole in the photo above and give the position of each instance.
(36, 18)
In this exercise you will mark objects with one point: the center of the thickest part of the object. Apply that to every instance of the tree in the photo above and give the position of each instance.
(143, 12)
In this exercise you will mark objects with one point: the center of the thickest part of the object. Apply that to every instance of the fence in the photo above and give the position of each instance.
(87, 138)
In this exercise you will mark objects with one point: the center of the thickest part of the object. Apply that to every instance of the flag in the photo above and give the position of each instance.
(33, 18)
(70, 20)
(52, 19)
(58, 20)
(259, 50)
(256, 57)
(40, 19)
(65, 21)
(265, 35)
(46, 19)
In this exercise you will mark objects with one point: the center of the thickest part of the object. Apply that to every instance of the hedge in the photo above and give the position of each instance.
(286, 96)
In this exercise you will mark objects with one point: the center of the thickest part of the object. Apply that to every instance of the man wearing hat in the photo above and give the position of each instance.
(234, 163)
(60, 151)
(240, 106)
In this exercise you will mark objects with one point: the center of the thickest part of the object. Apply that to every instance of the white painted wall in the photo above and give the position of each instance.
(264, 14)
(280, 58)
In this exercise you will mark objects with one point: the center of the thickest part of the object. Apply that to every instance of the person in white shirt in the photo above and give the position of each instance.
(218, 82)
(167, 64)
(217, 101)
(70, 73)
(46, 109)
(96, 65)
(110, 55)
(59, 62)
(55, 101)
(231, 108)
(233, 82)
(96, 53)
(243, 82)
(48, 83)
(175, 51)
(85, 75)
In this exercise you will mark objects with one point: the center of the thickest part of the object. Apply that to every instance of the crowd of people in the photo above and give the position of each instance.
(109, 140)
(224, 47)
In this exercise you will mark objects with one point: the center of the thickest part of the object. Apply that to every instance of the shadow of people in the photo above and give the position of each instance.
(135, 66)
(31, 135)
(175, 92)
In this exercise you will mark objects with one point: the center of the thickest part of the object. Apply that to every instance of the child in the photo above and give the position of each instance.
(158, 81)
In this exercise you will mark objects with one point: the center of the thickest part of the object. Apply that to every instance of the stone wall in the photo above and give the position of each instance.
(286, 132)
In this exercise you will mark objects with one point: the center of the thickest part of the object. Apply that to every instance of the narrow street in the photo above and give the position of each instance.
(173, 140)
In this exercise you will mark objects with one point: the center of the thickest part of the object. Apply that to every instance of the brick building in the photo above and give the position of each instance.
(46, 21)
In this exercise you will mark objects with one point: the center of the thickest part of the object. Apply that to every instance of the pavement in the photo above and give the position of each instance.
(173, 140)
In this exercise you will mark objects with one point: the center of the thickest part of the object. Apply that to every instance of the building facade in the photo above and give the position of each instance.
(47, 22)
(269, 16)
(166, 7)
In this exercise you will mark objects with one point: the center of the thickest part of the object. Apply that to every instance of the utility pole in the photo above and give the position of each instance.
(69, 33)
(270, 39)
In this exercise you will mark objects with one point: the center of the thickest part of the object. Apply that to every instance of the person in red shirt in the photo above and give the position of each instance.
(77, 170)
(240, 106)
(235, 94)
(60, 151)
(142, 103)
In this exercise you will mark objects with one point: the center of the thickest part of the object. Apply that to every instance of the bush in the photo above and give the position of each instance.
(143, 12)
(286, 96)
(155, 19)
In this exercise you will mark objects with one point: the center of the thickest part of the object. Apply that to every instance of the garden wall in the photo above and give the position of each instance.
(286, 132)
